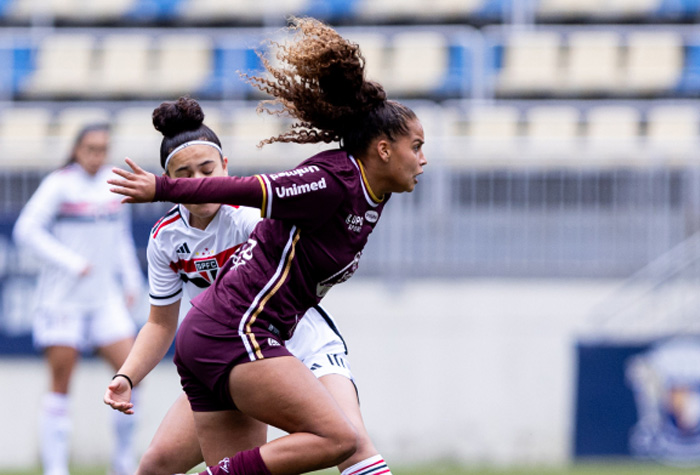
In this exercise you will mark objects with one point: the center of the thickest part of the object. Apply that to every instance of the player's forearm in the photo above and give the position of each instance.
(150, 347)
(245, 191)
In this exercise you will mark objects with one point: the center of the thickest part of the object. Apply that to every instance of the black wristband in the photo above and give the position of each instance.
(131, 385)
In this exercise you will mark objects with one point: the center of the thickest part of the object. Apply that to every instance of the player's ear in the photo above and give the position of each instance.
(384, 149)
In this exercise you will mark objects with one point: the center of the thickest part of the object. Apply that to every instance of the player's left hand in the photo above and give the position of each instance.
(138, 186)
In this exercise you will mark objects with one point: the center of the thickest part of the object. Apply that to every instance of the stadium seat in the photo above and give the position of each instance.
(592, 64)
(673, 129)
(241, 10)
(492, 130)
(631, 8)
(29, 9)
(411, 10)
(248, 128)
(568, 8)
(531, 63)
(99, 10)
(23, 134)
(124, 66)
(613, 130)
(63, 65)
(654, 62)
(552, 128)
(374, 50)
(134, 136)
(183, 64)
(419, 63)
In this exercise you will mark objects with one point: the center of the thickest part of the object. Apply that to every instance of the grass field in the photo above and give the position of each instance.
(579, 469)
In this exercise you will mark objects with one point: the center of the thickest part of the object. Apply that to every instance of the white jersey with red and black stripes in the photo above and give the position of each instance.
(73, 221)
(180, 254)
(183, 261)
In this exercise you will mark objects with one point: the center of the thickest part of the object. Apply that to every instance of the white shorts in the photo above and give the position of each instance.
(84, 328)
(318, 344)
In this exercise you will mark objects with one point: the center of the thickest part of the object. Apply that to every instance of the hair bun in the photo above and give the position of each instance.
(173, 117)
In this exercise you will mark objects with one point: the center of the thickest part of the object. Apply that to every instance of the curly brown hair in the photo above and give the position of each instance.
(321, 82)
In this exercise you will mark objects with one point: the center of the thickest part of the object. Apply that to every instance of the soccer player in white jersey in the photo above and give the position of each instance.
(89, 276)
(185, 251)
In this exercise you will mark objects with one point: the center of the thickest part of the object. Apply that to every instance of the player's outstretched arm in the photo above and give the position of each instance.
(138, 186)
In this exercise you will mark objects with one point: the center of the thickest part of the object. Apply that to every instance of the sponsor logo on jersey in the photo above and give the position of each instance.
(243, 254)
(203, 266)
(273, 342)
(371, 216)
(339, 277)
(666, 382)
(294, 190)
(354, 222)
(183, 249)
(296, 172)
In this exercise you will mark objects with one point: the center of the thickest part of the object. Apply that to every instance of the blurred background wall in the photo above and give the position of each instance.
(557, 217)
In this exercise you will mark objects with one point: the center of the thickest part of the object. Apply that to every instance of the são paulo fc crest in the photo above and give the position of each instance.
(666, 385)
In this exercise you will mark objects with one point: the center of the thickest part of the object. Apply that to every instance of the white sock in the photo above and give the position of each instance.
(55, 428)
(374, 465)
(123, 461)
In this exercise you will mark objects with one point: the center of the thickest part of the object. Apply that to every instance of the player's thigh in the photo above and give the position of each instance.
(174, 448)
(282, 392)
(224, 433)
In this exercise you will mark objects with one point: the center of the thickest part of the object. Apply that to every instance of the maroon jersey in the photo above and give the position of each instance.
(320, 215)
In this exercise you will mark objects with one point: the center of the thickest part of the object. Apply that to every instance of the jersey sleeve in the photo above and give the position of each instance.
(233, 190)
(164, 284)
(306, 195)
(32, 228)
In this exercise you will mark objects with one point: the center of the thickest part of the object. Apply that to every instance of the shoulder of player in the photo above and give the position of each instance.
(166, 223)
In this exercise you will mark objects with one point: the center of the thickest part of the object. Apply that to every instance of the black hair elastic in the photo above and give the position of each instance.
(131, 384)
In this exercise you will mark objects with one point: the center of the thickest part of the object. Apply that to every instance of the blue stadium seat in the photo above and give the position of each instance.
(681, 9)
(331, 9)
(689, 83)
(458, 80)
(495, 10)
(4, 6)
(149, 10)
(226, 82)
(23, 66)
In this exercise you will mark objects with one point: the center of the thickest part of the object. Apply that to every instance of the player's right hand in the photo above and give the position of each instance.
(138, 186)
(118, 396)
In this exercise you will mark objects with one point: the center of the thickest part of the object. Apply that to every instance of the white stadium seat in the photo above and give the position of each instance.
(63, 65)
(123, 66)
(531, 63)
(419, 63)
(23, 138)
(654, 61)
(593, 62)
(182, 64)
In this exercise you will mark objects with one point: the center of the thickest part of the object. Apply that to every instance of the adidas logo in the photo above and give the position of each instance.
(315, 366)
(183, 249)
(273, 342)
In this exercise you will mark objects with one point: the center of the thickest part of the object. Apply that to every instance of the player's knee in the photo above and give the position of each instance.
(346, 442)
(153, 462)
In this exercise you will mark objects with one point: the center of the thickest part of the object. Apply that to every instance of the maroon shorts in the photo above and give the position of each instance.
(205, 353)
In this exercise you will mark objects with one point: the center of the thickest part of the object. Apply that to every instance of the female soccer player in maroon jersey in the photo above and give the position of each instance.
(229, 349)
(185, 250)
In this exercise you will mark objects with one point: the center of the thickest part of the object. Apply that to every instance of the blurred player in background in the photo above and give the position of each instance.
(185, 252)
(90, 276)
